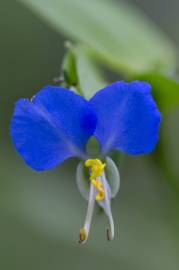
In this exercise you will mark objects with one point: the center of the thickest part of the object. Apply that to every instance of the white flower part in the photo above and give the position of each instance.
(82, 183)
(113, 179)
(113, 176)
(84, 232)
(106, 205)
(99, 189)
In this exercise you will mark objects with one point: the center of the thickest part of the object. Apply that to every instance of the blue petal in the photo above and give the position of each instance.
(55, 125)
(128, 118)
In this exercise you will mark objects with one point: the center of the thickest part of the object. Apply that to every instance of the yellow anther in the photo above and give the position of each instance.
(82, 235)
(100, 196)
(96, 170)
(96, 167)
(99, 186)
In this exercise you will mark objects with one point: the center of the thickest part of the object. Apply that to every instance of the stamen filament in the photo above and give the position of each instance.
(84, 232)
(110, 231)
(107, 202)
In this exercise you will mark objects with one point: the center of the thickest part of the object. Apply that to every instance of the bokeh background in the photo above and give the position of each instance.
(41, 213)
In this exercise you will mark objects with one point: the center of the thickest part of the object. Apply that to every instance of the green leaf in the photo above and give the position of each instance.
(117, 34)
(90, 79)
(164, 89)
(69, 68)
(80, 72)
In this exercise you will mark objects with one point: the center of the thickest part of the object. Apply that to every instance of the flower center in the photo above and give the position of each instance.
(100, 192)
(96, 170)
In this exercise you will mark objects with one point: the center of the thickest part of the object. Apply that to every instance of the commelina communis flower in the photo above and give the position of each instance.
(57, 123)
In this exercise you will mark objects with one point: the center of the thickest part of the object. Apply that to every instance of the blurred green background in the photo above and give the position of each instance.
(41, 213)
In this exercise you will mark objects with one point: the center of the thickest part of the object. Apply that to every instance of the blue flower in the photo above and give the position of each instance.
(57, 124)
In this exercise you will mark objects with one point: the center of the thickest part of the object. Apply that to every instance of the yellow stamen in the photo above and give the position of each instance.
(99, 186)
(82, 235)
(97, 168)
